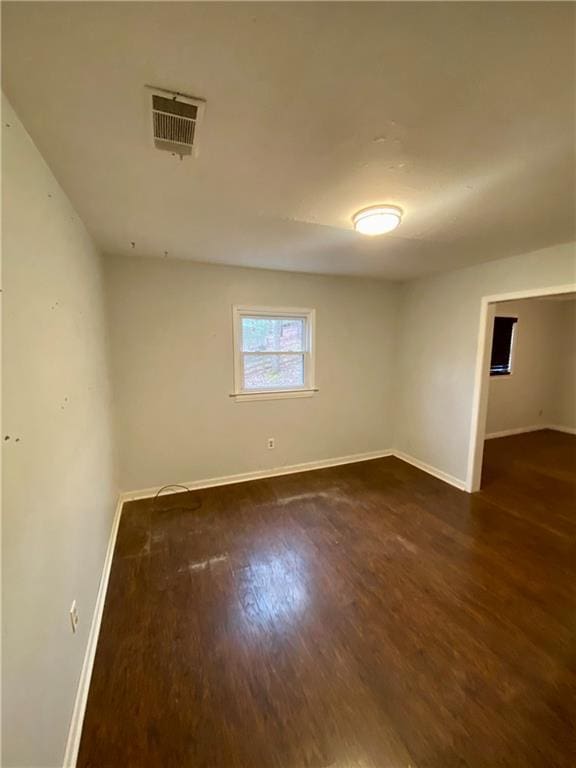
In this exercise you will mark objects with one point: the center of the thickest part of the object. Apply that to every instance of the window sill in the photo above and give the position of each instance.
(285, 394)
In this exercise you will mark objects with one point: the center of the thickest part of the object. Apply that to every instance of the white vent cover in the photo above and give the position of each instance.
(175, 122)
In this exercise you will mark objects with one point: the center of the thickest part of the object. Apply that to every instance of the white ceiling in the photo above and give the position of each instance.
(461, 113)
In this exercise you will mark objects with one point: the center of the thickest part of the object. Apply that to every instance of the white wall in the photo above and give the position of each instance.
(171, 327)
(58, 494)
(439, 323)
(529, 396)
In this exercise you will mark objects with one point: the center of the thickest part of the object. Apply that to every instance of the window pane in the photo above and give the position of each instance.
(273, 334)
(273, 371)
(502, 338)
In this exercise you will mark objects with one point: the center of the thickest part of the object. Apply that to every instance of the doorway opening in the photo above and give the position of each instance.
(524, 368)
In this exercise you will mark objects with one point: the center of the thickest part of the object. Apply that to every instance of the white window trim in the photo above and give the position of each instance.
(309, 387)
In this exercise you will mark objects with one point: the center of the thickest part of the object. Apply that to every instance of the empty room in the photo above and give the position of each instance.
(531, 393)
(289, 384)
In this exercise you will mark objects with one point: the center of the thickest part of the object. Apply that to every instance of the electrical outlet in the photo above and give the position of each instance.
(73, 616)
(270, 443)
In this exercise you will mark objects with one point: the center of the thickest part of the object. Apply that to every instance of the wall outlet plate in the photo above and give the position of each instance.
(73, 616)
(270, 443)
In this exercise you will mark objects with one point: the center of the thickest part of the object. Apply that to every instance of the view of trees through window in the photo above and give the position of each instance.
(273, 351)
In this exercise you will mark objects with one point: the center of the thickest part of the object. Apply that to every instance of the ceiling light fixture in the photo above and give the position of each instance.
(377, 220)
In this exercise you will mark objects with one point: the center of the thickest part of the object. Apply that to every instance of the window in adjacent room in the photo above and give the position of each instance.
(503, 340)
(273, 352)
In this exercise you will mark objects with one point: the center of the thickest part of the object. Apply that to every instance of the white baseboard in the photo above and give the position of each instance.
(522, 430)
(75, 731)
(259, 474)
(450, 479)
(516, 431)
(567, 430)
(244, 477)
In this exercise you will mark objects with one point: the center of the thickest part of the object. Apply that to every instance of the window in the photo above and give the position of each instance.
(503, 346)
(273, 352)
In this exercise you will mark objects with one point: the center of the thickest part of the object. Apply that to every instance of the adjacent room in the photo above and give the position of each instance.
(532, 388)
(289, 384)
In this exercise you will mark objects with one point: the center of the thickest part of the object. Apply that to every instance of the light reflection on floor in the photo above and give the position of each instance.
(273, 589)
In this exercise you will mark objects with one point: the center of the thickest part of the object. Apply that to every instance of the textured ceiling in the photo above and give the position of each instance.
(461, 113)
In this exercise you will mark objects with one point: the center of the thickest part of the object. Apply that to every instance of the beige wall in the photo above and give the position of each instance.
(563, 400)
(171, 327)
(58, 486)
(382, 385)
(439, 323)
(536, 392)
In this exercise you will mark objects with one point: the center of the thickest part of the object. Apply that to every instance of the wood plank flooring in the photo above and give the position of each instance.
(364, 616)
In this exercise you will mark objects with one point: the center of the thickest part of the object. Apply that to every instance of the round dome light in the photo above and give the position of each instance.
(377, 220)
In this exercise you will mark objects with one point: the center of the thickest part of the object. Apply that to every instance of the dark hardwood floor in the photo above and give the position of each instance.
(365, 616)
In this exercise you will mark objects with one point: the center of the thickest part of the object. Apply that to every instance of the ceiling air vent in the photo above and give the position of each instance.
(175, 122)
